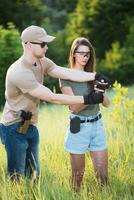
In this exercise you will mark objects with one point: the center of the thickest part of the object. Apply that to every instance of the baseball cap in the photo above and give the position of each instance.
(32, 33)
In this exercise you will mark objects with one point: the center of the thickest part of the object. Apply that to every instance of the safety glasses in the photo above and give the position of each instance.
(82, 53)
(42, 44)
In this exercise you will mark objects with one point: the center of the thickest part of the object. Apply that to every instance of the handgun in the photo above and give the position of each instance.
(26, 121)
(102, 86)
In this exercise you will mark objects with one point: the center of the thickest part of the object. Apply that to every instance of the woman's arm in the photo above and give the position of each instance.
(75, 107)
(106, 101)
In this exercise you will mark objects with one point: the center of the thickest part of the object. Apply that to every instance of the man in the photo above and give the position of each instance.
(24, 89)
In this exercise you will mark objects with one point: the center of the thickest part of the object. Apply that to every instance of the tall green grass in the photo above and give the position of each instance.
(55, 162)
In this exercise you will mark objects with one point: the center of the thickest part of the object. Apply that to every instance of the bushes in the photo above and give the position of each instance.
(10, 50)
(119, 62)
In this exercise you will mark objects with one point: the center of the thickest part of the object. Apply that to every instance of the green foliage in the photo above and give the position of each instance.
(103, 22)
(10, 50)
(110, 23)
(56, 12)
(111, 64)
(58, 54)
(127, 59)
(78, 22)
(67, 5)
(21, 13)
(119, 62)
(123, 106)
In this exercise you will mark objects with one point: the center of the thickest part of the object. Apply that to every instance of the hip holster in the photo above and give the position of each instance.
(75, 124)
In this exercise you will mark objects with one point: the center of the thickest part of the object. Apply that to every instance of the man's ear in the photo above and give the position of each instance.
(28, 45)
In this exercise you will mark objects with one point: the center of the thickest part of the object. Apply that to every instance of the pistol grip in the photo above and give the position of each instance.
(24, 127)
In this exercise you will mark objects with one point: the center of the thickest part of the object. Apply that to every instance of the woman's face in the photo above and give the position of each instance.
(82, 55)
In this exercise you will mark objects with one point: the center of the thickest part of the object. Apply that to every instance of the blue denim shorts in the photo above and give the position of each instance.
(91, 137)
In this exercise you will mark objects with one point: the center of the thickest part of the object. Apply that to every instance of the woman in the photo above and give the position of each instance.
(91, 133)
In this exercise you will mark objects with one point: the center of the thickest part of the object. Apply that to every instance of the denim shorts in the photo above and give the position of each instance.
(21, 149)
(91, 137)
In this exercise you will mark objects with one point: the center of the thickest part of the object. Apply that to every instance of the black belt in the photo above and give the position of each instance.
(91, 120)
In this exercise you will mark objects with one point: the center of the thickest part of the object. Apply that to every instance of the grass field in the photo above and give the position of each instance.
(55, 163)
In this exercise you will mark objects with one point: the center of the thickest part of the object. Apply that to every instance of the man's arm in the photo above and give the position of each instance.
(43, 93)
(71, 74)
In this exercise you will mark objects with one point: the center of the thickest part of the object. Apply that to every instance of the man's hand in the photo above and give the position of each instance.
(93, 98)
(101, 78)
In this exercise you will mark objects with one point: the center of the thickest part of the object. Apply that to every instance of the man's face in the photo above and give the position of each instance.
(38, 49)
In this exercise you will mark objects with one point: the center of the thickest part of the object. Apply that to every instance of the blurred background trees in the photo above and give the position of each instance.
(109, 25)
(10, 50)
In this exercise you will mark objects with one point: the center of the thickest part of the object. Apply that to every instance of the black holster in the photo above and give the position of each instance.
(75, 124)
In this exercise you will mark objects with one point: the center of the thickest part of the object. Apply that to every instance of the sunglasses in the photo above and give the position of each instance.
(82, 53)
(42, 44)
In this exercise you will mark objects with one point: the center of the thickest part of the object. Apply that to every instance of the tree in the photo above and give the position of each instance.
(119, 62)
(10, 50)
(58, 12)
(110, 23)
(59, 53)
(59, 5)
(103, 22)
(127, 60)
(77, 25)
(21, 13)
